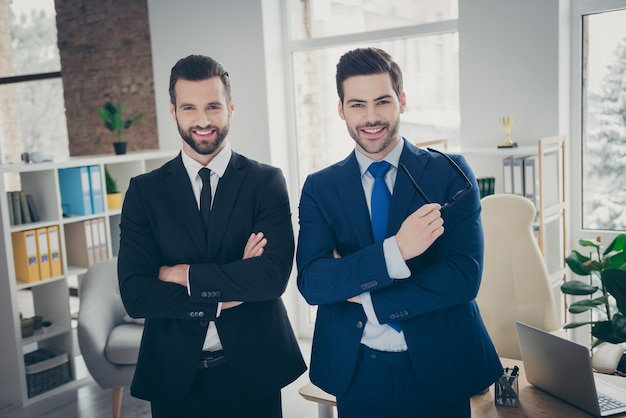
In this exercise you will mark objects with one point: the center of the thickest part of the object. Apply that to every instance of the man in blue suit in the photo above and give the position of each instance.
(398, 332)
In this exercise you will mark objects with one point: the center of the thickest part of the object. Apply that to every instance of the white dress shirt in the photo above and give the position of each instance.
(376, 335)
(217, 166)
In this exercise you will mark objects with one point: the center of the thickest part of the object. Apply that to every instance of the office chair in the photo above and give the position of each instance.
(108, 339)
(515, 282)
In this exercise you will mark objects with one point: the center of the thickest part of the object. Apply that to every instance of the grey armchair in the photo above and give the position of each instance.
(108, 339)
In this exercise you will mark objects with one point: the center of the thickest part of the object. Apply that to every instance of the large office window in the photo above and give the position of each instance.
(603, 117)
(420, 35)
(32, 110)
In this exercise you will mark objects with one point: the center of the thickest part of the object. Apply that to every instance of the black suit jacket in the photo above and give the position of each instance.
(161, 225)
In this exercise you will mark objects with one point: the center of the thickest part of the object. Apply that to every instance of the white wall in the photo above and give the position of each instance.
(232, 33)
(513, 60)
(509, 64)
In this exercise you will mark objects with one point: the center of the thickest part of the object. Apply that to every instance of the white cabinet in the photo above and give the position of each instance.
(50, 297)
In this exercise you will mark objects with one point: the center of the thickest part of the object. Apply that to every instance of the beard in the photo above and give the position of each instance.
(371, 147)
(204, 147)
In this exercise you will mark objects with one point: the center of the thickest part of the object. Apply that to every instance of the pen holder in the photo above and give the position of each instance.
(506, 391)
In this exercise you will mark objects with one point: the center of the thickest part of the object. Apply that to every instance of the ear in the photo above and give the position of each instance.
(340, 110)
(231, 106)
(402, 102)
(172, 110)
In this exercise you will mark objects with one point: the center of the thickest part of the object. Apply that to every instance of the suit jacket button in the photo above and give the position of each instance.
(203, 294)
(359, 324)
(218, 294)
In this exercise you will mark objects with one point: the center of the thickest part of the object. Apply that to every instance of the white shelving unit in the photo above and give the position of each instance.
(50, 297)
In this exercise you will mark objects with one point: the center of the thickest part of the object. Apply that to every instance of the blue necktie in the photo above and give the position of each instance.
(381, 200)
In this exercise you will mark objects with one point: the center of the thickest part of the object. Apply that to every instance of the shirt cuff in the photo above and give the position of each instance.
(396, 266)
(188, 284)
(368, 307)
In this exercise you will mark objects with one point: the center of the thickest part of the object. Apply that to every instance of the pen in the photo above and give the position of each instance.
(513, 374)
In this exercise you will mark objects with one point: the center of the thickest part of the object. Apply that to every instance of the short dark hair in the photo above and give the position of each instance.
(367, 61)
(197, 68)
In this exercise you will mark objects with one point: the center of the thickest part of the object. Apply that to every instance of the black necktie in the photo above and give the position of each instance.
(205, 195)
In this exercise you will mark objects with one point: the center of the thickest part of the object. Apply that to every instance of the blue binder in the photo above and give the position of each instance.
(97, 197)
(75, 191)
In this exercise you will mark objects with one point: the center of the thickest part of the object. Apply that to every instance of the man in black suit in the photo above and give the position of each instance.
(208, 277)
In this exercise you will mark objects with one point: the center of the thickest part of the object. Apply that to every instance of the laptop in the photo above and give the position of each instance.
(563, 369)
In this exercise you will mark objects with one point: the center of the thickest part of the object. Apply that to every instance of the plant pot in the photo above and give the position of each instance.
(119, 147)
(114, 201)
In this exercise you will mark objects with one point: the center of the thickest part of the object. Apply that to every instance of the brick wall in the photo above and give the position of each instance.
(106, 55)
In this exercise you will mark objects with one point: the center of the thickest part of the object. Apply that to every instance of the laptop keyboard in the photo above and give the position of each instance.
(607, 403)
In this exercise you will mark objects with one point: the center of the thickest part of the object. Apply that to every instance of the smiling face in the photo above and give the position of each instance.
(372, 111)
(202, 114)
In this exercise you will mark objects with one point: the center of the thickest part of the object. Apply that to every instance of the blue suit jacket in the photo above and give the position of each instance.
(449, 347)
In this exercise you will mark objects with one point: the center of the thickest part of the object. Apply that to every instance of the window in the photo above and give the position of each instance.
(604, 121)
(420, 35)
(32, 111)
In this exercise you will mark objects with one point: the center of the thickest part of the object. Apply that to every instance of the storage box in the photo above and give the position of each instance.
(45, 370)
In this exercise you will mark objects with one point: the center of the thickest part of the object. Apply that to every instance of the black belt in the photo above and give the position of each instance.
(210, 359)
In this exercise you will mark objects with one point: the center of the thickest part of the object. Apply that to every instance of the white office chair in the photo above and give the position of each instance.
(515, 283)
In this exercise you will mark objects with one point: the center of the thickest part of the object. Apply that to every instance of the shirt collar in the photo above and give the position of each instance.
(392, 158)
(217, 165)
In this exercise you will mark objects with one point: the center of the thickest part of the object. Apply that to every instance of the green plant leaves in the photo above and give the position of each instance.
(576, 287)
(111, 116)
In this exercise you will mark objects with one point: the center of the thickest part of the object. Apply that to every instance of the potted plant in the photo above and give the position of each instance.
(606, 287)
(114, 197)
(111, 115)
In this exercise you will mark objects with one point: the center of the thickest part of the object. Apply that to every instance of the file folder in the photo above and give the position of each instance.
(75, 191)
(25, 256)
(54, 248)
(95, 236)
(507, 167)
(79, 244)
(104, 253)
(531, 179)
(97, 196)
(43, 254)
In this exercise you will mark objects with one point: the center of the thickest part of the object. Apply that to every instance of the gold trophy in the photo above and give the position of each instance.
(507, 123)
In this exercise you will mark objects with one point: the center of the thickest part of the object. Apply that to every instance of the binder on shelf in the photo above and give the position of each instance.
(32, 208)
(104, 254)
(43, 254)
(79, 248)
(531, 179)
(507, 167)
(10, 206)
(25, 256)
(95, 236)
(75, 191)
(518, 175)
(97, 196)
(24, 206)
(17, 208)
(54, 248)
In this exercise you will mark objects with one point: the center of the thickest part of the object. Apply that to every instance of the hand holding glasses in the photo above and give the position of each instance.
(457, 196)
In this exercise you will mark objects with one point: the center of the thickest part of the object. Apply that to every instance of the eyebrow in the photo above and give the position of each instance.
(386, 96)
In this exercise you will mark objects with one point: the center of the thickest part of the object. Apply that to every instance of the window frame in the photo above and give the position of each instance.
(580, 8)
(292, 46)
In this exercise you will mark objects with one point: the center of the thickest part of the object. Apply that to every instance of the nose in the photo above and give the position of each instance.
(203, 119)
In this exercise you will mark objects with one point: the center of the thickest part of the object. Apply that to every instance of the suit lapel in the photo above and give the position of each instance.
(350, 191)
(185, 201)
(405, 198)
(226, 194)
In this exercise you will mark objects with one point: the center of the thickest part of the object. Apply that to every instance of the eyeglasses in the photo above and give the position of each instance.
(457, 196)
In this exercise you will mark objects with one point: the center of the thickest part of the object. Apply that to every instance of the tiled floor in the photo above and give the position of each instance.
(87, 400)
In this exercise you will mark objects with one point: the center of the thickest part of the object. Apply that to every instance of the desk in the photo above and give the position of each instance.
(534, 403)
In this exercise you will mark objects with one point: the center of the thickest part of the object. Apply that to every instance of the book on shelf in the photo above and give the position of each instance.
(43, 253)
(79, 249)
(486, 185)
(54, 248)
(75, 191)
(26, 219)
(10, 206)
(97, 196)
(507, 174)
(25, 256)
(17, 208)
(32, 208)
(104, 254)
